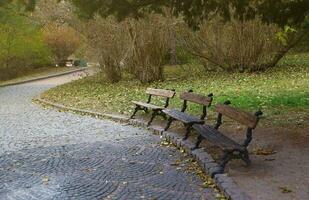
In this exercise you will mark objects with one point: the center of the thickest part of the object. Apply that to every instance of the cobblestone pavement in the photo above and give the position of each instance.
(46, 154)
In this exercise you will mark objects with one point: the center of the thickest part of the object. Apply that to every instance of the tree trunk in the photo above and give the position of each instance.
(283, 52)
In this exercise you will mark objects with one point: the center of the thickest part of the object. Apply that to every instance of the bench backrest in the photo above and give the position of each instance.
(197, 98)
(160, 92)
(240, 116)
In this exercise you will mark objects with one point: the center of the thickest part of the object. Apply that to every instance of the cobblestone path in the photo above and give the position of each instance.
(46, 154)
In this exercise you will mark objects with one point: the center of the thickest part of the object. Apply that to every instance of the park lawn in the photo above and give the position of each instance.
(36, 73)
(281, 93)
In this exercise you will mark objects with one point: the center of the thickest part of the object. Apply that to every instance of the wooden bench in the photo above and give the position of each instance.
(157, 110)
(187, 119)
(231, 149)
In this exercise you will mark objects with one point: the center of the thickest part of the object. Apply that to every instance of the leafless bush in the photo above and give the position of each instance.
(150, 46)
(109, 42)
(138, 47)
(233, 46)
(62, 40)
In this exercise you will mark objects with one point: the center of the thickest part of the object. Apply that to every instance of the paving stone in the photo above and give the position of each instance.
(187, 145)
(157, 129)
(202, 156)
(219, 178)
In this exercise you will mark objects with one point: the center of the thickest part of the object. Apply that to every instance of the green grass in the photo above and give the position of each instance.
(281, 93)
(36, 73)
(295, 60)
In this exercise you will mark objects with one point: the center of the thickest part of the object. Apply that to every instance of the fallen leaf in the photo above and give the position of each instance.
(177, 162)
(285, 190)
(165, 143)
(87, 170)
(45, 180)
(264, 152)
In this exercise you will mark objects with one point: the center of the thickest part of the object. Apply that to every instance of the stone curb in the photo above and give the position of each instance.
(117, 118)
(44, 77)
(226, 184)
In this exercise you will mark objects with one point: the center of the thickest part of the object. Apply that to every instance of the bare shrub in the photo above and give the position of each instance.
(109, 43)
(150, 46)
(137, 47)
(62, 40)
(233, 46)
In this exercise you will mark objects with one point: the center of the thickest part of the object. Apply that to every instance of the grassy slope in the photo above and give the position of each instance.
(282, 93)
(36, 73)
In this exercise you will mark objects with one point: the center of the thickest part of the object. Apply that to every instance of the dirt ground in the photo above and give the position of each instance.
(282, 174)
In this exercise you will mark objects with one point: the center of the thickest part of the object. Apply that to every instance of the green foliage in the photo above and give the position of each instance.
(283, 35)
(21, 44)
(281, 12)
(295, 60)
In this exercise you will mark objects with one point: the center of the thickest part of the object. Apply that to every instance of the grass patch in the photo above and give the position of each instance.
(36, 73)
(282, 93)
(295, 60)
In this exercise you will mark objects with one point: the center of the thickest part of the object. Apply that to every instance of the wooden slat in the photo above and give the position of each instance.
(182, 116)
(160, 92)
(196, 98)
(217, 138)
(242, 117)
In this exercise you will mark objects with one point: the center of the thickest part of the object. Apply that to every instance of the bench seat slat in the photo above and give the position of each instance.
(182, 116)
(217, 138)
(147, 105)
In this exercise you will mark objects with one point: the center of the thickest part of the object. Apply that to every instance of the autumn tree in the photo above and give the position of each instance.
(62, 40)
(21, 44)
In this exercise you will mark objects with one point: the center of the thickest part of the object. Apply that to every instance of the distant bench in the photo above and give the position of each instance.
(187, 119)
(156, 109)
(231, 149)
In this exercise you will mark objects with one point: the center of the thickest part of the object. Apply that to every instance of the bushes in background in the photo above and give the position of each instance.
(232, 46)
(150, 46)
(240, 45)
(62, 40)
(137, 47)
(108, 43)
(21, 45)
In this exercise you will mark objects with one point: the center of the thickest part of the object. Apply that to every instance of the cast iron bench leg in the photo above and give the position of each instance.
(245, 157)
(228, 155)
(163, 115)
(188, 130)
(169, 122)
(198, 142)
(137, 108)
(154, 114)
(145, 110)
